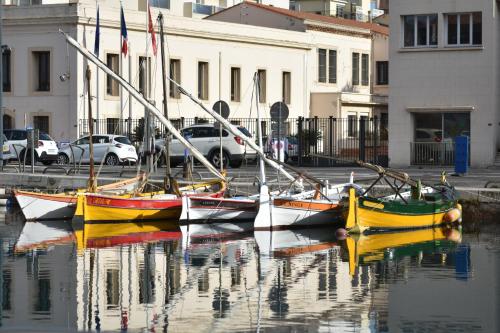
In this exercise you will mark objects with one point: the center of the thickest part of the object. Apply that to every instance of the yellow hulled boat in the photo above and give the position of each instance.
(95, 208)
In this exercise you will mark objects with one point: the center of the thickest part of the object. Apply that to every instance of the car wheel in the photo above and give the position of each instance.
(62, 159)
(111, 159)
(215, 158)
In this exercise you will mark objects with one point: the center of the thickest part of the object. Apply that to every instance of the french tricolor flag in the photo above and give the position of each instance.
(124, 35)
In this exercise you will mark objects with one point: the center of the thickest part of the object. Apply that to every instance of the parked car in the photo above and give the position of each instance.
(8, 153)
(45, 149)
(291, 147)
(114, 149)
(205, 138)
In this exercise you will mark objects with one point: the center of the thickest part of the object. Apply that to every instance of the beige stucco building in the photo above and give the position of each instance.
(213, 58)
(445, 80)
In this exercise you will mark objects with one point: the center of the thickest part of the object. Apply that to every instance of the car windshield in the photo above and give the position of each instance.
(123, 139)
(45, 137)
(4, 137)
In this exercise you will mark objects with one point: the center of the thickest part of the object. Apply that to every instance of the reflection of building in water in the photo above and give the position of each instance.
(232, 286)
(38, 288)
(126, 287)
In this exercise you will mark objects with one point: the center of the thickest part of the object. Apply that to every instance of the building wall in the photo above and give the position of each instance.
(444, 78)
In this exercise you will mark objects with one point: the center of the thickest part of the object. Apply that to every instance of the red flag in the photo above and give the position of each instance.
(151, 30)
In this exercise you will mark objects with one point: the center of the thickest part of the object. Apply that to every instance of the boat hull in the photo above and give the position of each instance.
(373, 214)
(40, 206)
(203, 210)
(292, 213)
(109, 209)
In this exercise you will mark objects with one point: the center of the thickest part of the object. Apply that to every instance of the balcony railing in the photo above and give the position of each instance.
(432, 153)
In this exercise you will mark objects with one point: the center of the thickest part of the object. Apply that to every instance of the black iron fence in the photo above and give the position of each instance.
(309, 141)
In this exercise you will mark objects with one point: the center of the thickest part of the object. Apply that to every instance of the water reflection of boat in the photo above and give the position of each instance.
(364, 249)
(43, 234)
(279, 243)
(97, 235)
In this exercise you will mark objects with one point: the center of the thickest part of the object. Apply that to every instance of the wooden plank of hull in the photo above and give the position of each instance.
(38, 206)
(99, 208)
(375, 219)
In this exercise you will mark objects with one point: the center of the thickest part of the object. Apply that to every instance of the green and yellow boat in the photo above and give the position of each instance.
(418, 208)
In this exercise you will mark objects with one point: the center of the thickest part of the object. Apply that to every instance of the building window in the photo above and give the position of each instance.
(332, 66)
(6, 67)
(464, 29)
(286, 87)
(41, 123)
(41, 61)
(420, 30)
(145, 76)
(203, 80)
(351, 125)
(235, 84)
(112, 125)
(161, 4)
(441, 127)
(327, 67)
(382, 73)
(365, 68)
(175, 74)
(261, 76)
(355, 69)
(112, 61)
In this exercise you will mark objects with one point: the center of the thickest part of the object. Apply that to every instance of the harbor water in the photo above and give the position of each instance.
(159, 278)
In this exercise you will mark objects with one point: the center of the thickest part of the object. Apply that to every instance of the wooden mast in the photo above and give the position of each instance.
(167, 184)
(92, 181)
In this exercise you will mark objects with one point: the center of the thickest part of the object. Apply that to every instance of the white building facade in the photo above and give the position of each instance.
(45, 83)
(445, 80)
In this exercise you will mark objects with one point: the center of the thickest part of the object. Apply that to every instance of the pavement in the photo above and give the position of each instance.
(475, 178)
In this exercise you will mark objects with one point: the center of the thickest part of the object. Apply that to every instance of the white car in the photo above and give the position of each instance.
(45, 149)
(205, 138)
(114, 149)
(8, 154)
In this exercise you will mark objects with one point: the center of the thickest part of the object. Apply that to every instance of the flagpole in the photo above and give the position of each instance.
(120, 60)
(97, 115)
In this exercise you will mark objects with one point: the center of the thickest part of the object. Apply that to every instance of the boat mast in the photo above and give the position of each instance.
(259, 129)
(165, 109)
(137, 95)
(92, 182)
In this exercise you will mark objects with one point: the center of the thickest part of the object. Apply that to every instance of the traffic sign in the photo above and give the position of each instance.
(221, 108)
(279, 111)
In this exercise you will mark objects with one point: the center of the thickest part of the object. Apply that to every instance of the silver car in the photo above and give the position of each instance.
(114, 149)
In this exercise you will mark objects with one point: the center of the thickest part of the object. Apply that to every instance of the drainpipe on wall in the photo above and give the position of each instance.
(372, 65)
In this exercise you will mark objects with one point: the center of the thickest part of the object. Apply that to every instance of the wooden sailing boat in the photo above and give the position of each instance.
(413, 210)
(284, 209)
(46, 206)
(94, 207)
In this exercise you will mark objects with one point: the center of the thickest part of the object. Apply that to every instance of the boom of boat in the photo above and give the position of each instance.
(127, 86)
